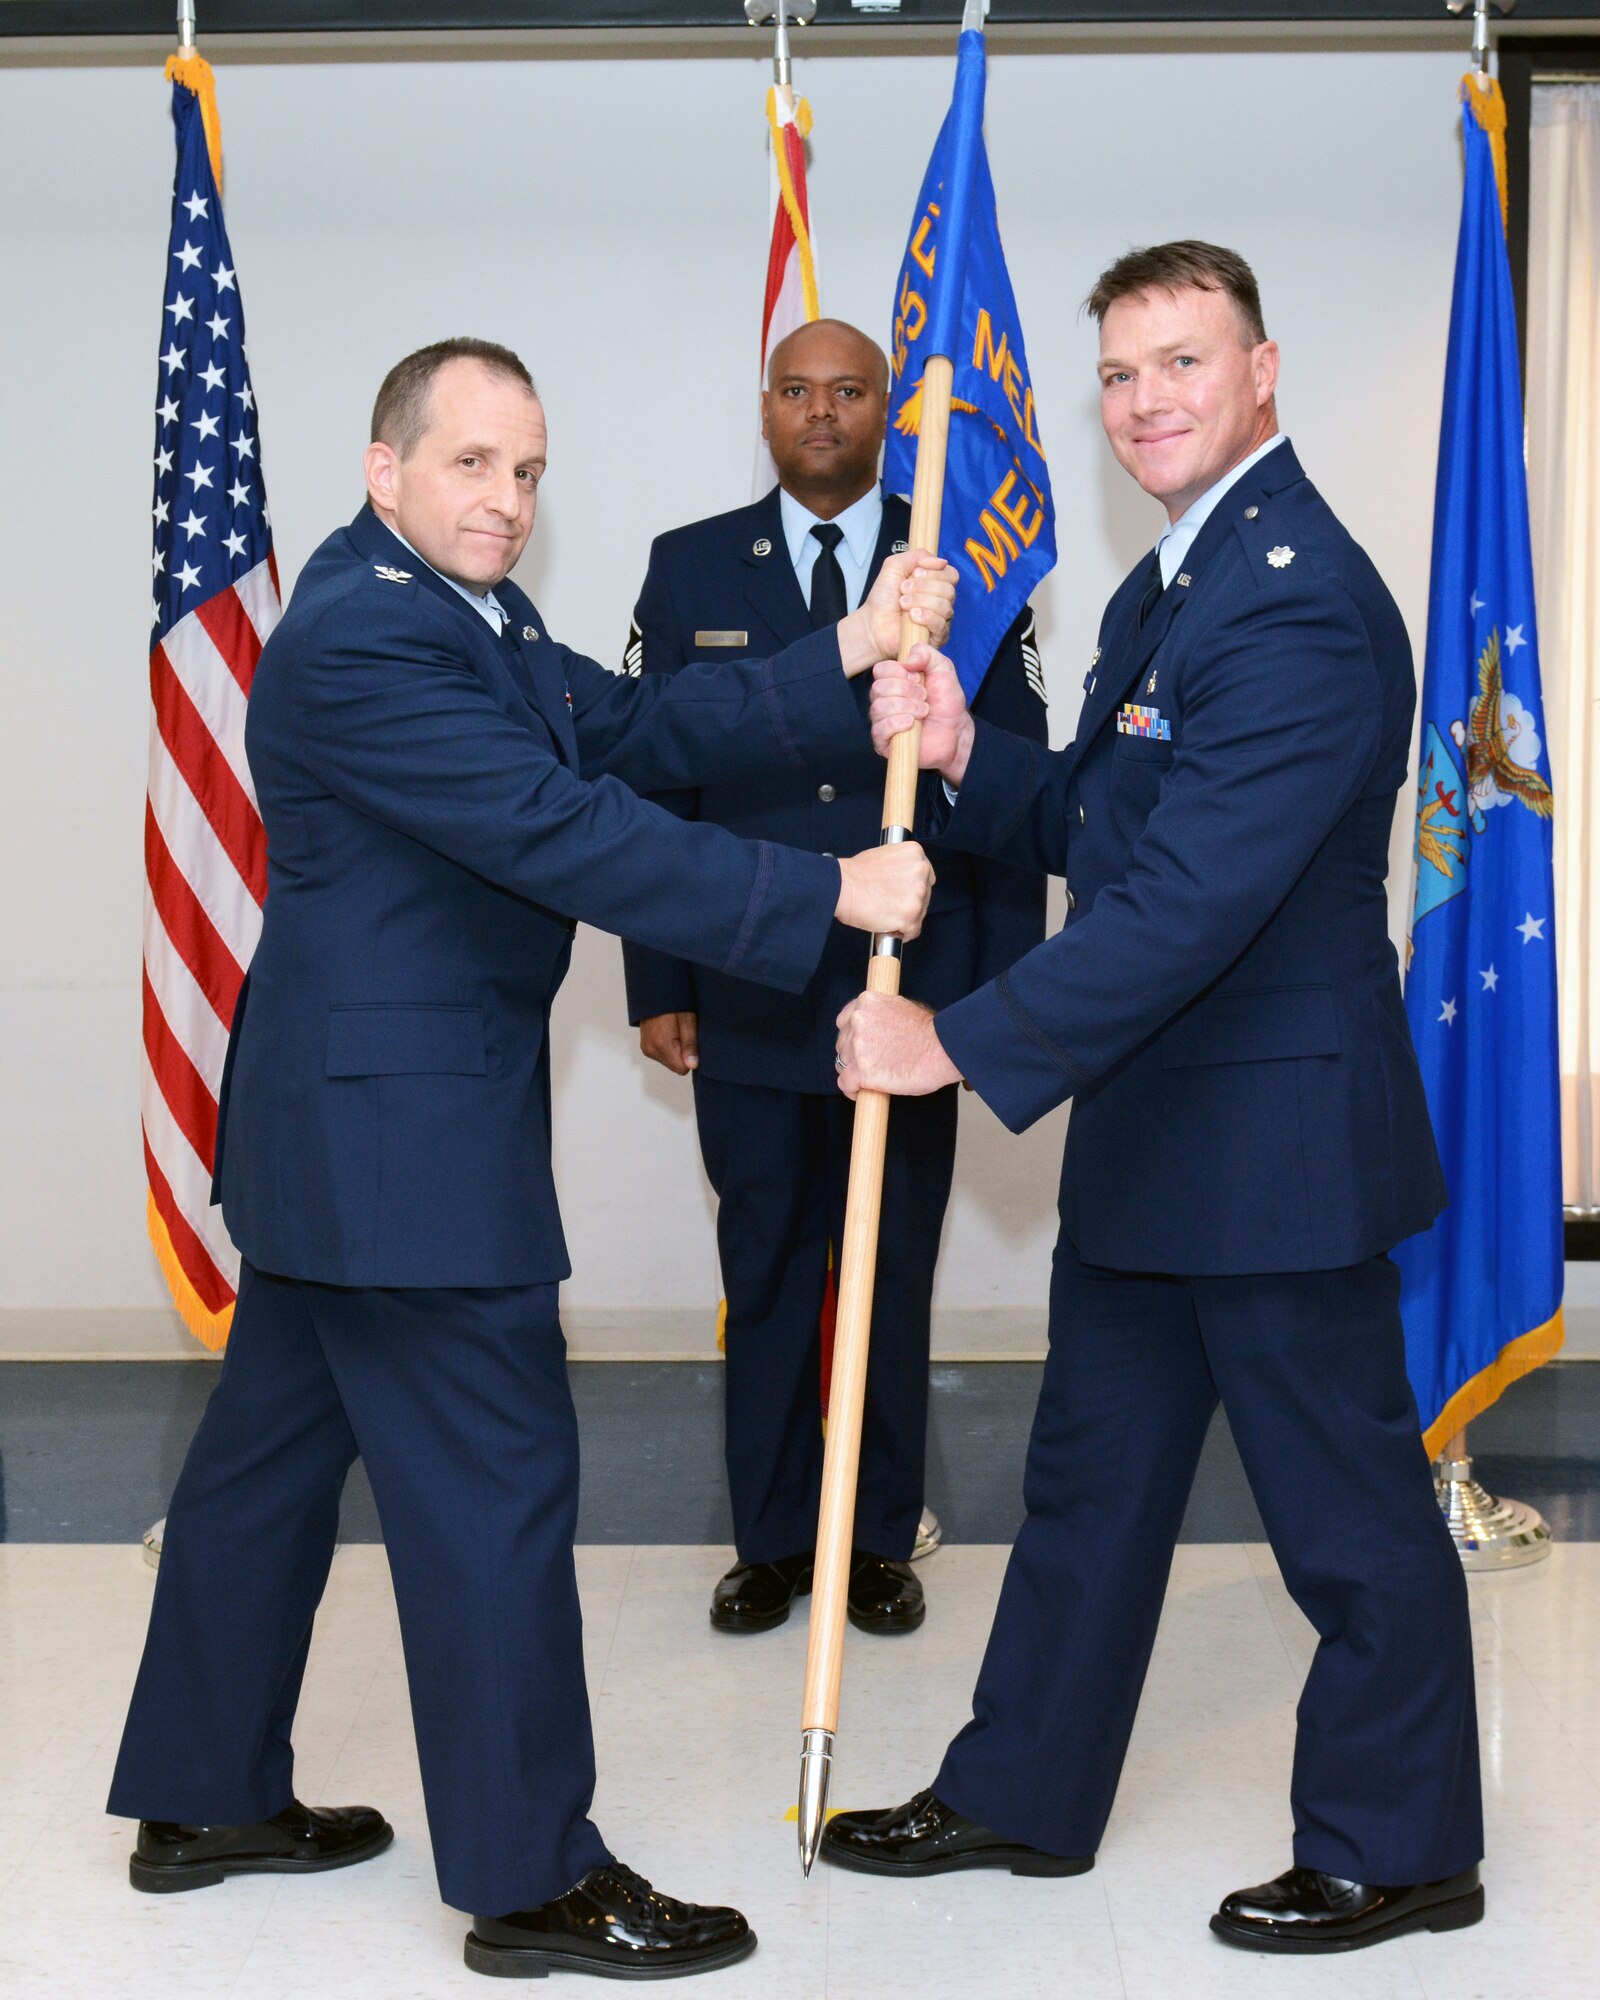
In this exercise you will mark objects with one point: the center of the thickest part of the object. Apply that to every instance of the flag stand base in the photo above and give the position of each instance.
(1488, 1533)
(929, 1535)
(153, 1538)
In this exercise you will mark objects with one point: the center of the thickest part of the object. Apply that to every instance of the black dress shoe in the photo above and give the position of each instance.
(613, 1924)
(884, 1596)
(1305, 1910)
(927, 1837)
(301, 1840)
(753, 1597)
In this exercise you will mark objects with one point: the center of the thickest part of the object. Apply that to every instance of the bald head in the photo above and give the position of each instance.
(823, 413)
(834, 344)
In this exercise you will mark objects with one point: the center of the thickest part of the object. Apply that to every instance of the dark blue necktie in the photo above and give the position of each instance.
(828, 602)
(1153, 590)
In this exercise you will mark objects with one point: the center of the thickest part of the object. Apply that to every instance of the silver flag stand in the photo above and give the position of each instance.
(1488, 1533)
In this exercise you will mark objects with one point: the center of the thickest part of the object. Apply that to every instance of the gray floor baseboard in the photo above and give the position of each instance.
(594, 1333)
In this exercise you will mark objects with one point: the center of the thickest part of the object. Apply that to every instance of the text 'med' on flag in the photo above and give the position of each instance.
(791, 298)
(1482, 1289)
(215, 601)
(953, 297)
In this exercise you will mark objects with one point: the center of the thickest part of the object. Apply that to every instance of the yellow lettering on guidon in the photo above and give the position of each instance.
(911, 314)
(1001, 363)
(1015, 511)
(992, 561)
(924, 257)
(909, 321)
(1014, 526)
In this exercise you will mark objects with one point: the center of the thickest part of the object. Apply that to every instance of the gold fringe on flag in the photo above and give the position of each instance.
(791, 200)
(1483, 97)
(194, 73)
(208, 1327)
(1517, 1358)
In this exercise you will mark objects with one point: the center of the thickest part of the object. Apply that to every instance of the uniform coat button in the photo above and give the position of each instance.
(827, 794)
(1081, 819)
(1072, 902)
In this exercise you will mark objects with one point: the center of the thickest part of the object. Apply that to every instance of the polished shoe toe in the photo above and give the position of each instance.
(754, 1597)
(613, 1924)
(885, 1596)
(927, 1837)
(301, 1840)
(1304, 1910)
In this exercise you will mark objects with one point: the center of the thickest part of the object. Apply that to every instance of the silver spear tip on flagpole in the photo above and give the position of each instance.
(186, 27)
(763, 14)
(816, 1768)
(1481, 10)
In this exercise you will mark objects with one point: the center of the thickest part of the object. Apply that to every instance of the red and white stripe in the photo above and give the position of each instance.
(205, 853)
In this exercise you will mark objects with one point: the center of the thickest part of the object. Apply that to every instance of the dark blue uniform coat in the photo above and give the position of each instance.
(707, 578)
(774, 1131)
(441, 805)
(1248, 1138)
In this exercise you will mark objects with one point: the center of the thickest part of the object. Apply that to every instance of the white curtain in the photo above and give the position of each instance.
(1564, 498)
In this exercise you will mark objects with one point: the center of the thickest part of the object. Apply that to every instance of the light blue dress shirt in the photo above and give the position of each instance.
(860, 522)
(488, 606)
(1179, 538)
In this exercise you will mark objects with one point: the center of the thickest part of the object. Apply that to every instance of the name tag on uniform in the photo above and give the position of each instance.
(722, 638)
(1132, 720)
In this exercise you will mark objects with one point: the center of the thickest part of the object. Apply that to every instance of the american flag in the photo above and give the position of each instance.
(215, 600)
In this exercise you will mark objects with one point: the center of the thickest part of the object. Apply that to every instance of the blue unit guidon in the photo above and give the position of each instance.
(953, 298)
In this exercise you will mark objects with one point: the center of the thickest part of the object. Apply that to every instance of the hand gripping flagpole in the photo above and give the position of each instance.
(819, 1712)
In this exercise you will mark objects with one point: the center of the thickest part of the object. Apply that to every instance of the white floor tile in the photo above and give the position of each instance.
(699, 1742)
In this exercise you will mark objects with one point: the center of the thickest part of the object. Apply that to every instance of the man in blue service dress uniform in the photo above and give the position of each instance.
(441, 783)
(1249, 1138)
(774, 1132)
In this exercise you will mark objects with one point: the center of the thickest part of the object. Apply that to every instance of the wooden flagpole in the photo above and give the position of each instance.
(819, 1715)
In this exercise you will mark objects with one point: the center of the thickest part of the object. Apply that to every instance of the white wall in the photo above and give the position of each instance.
(608, 218)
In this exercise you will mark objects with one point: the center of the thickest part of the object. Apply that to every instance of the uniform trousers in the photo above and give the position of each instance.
(457, 1402)
(779, 1161)
(1310, 1368)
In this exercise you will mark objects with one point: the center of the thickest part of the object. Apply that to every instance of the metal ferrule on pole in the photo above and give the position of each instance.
(816, 1767)
(186, 27)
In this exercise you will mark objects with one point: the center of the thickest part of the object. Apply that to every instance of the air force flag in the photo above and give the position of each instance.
(953, 297)
(1482, 1289)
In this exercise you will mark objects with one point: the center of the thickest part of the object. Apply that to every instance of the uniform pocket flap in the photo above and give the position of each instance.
(399, 1040)
(1146, 749)
(1268, 1026)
